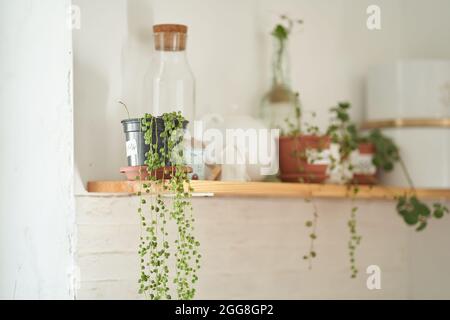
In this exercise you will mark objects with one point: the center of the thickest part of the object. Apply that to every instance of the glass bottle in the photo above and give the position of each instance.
(169, 83)
(280, 106)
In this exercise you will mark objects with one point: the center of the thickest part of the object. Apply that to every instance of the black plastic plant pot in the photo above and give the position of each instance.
(135, 141)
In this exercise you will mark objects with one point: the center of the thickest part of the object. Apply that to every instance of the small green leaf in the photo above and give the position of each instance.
(280, 32)
(411, 218)
(421, 226)
(420, 208)
(438, 213)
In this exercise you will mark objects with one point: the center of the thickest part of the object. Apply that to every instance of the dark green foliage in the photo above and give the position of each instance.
(417, 213)
(386, 151)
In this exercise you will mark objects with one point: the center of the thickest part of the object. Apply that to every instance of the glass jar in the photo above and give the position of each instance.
(169, 83)
(280, 107)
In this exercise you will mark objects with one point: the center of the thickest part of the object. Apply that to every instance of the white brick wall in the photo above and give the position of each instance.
(252, 248)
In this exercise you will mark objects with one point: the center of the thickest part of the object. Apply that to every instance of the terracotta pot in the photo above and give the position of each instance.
(367, 179)
(141, 173)
(294, 166)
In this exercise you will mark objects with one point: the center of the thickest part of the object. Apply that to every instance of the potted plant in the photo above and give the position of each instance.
(166, 173)
(137, 149)
(301, 153)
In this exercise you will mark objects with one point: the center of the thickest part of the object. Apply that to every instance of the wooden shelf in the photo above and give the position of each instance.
(275, 189)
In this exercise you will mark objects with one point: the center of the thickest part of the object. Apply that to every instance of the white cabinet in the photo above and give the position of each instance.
(409, 89)
(414, 90)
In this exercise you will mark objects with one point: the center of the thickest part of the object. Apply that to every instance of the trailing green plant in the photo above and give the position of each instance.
(386, 151)
(312, 234)
(413, 211)
(295, 130)
(355, 238)
(344, 132)
(294, 125)
(155, 245)
(417, 213)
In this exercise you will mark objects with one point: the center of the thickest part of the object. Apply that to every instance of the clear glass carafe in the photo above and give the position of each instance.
(170, 84)
(280, 105)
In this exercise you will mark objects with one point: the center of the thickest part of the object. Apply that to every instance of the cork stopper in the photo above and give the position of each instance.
(170, 37)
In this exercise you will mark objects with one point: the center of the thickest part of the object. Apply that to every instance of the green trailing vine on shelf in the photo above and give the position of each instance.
(295, 130)
(344, 133)
(355, 238)
(155, 243)
(413, 211)
(312, 234)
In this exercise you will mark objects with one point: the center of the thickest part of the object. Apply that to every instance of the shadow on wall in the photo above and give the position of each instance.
(102, 77)
(136, 54)
(90, 100)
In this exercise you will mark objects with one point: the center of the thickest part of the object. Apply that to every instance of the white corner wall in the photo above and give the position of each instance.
(36, 140)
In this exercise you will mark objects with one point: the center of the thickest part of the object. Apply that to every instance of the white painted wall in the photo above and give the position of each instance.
(36, 139)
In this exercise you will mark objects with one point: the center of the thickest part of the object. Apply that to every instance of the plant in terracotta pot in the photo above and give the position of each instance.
(300, 153)
(280, 109)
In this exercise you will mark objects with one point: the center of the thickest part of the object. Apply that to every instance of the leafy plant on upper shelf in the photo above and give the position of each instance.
(167, 174)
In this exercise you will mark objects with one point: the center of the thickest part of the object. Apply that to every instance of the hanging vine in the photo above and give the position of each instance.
(355, 238)
(312, 226)
(166, 174)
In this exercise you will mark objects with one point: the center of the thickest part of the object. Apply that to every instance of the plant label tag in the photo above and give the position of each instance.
(131, 148)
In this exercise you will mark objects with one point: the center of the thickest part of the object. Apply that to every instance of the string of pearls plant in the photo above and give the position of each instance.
(167, 174)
